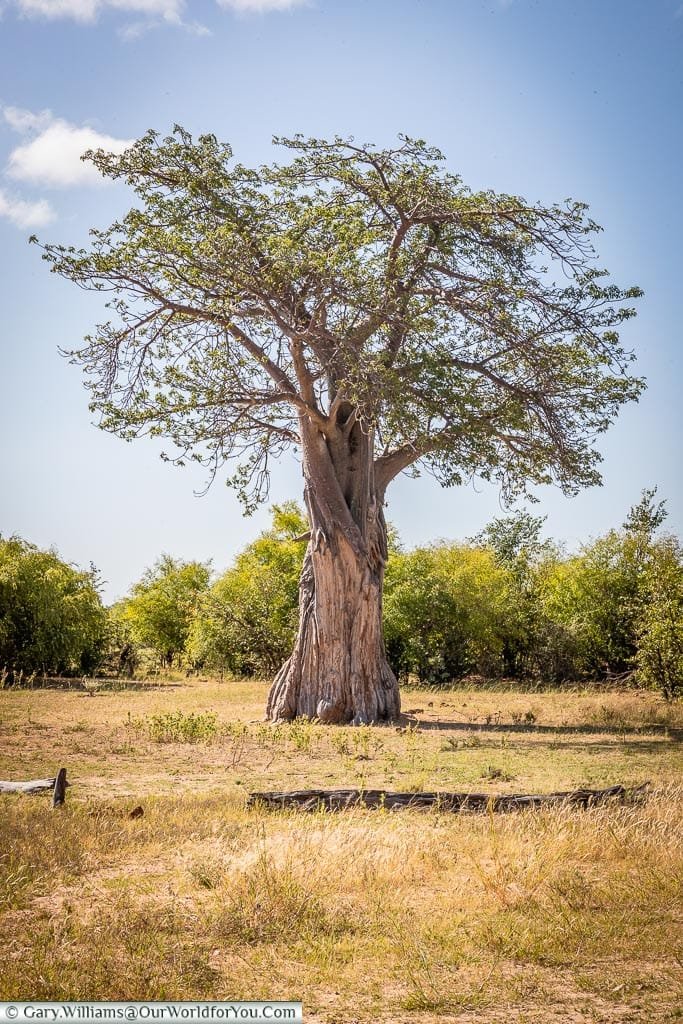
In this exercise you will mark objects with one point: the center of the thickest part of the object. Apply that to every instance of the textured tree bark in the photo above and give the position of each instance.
(338, 670)
(342, 799)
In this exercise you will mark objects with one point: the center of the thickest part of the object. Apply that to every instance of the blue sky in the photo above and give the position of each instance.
(551, 99)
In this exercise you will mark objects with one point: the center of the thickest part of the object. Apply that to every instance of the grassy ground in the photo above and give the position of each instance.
(559, 915)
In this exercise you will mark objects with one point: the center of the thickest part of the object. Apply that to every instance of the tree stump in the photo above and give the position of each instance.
(59, 792)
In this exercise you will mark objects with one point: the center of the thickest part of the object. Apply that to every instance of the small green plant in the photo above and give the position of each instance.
(365, 742)
(300, 734)
(270, 735)
(495, 774)
(460, 742)
(79, 726)
(236, 730)
(340, 743)
(178, 727)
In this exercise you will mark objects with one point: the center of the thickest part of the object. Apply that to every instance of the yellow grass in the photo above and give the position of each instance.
(559, 915)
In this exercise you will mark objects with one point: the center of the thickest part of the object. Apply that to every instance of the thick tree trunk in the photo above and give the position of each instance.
(338, 670)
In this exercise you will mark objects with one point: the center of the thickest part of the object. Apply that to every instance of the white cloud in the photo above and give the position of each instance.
(53, 156)
(87, 10)
(155, 11)
(25, 214)
(136, 29)
(81, 10)
(170, 11)
(154, 8)
(260, 6)
(25, 120)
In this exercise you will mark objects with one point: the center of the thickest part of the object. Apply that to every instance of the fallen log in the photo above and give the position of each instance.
(32, 786)
(342, 799)
(57, 785)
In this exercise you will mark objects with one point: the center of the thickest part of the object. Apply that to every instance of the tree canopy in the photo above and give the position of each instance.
(471, 332)
(247, 622)
(162, 605)
(514, 538)
(366, 307)
(51, 615)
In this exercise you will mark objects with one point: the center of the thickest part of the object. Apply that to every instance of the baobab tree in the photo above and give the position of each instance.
(365, 308)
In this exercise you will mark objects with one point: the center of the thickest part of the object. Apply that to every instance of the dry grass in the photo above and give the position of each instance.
(560, 915)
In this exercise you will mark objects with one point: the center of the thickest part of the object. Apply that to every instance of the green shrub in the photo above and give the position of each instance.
(162, 606)
(447, 611)
(51, 616)
(248, 621)
(178, 727)
(660, 624)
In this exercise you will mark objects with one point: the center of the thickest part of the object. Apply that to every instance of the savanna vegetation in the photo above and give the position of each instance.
(558, 914)
(51, 615)
(157, 881)
(505, 604)
(365, 307)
